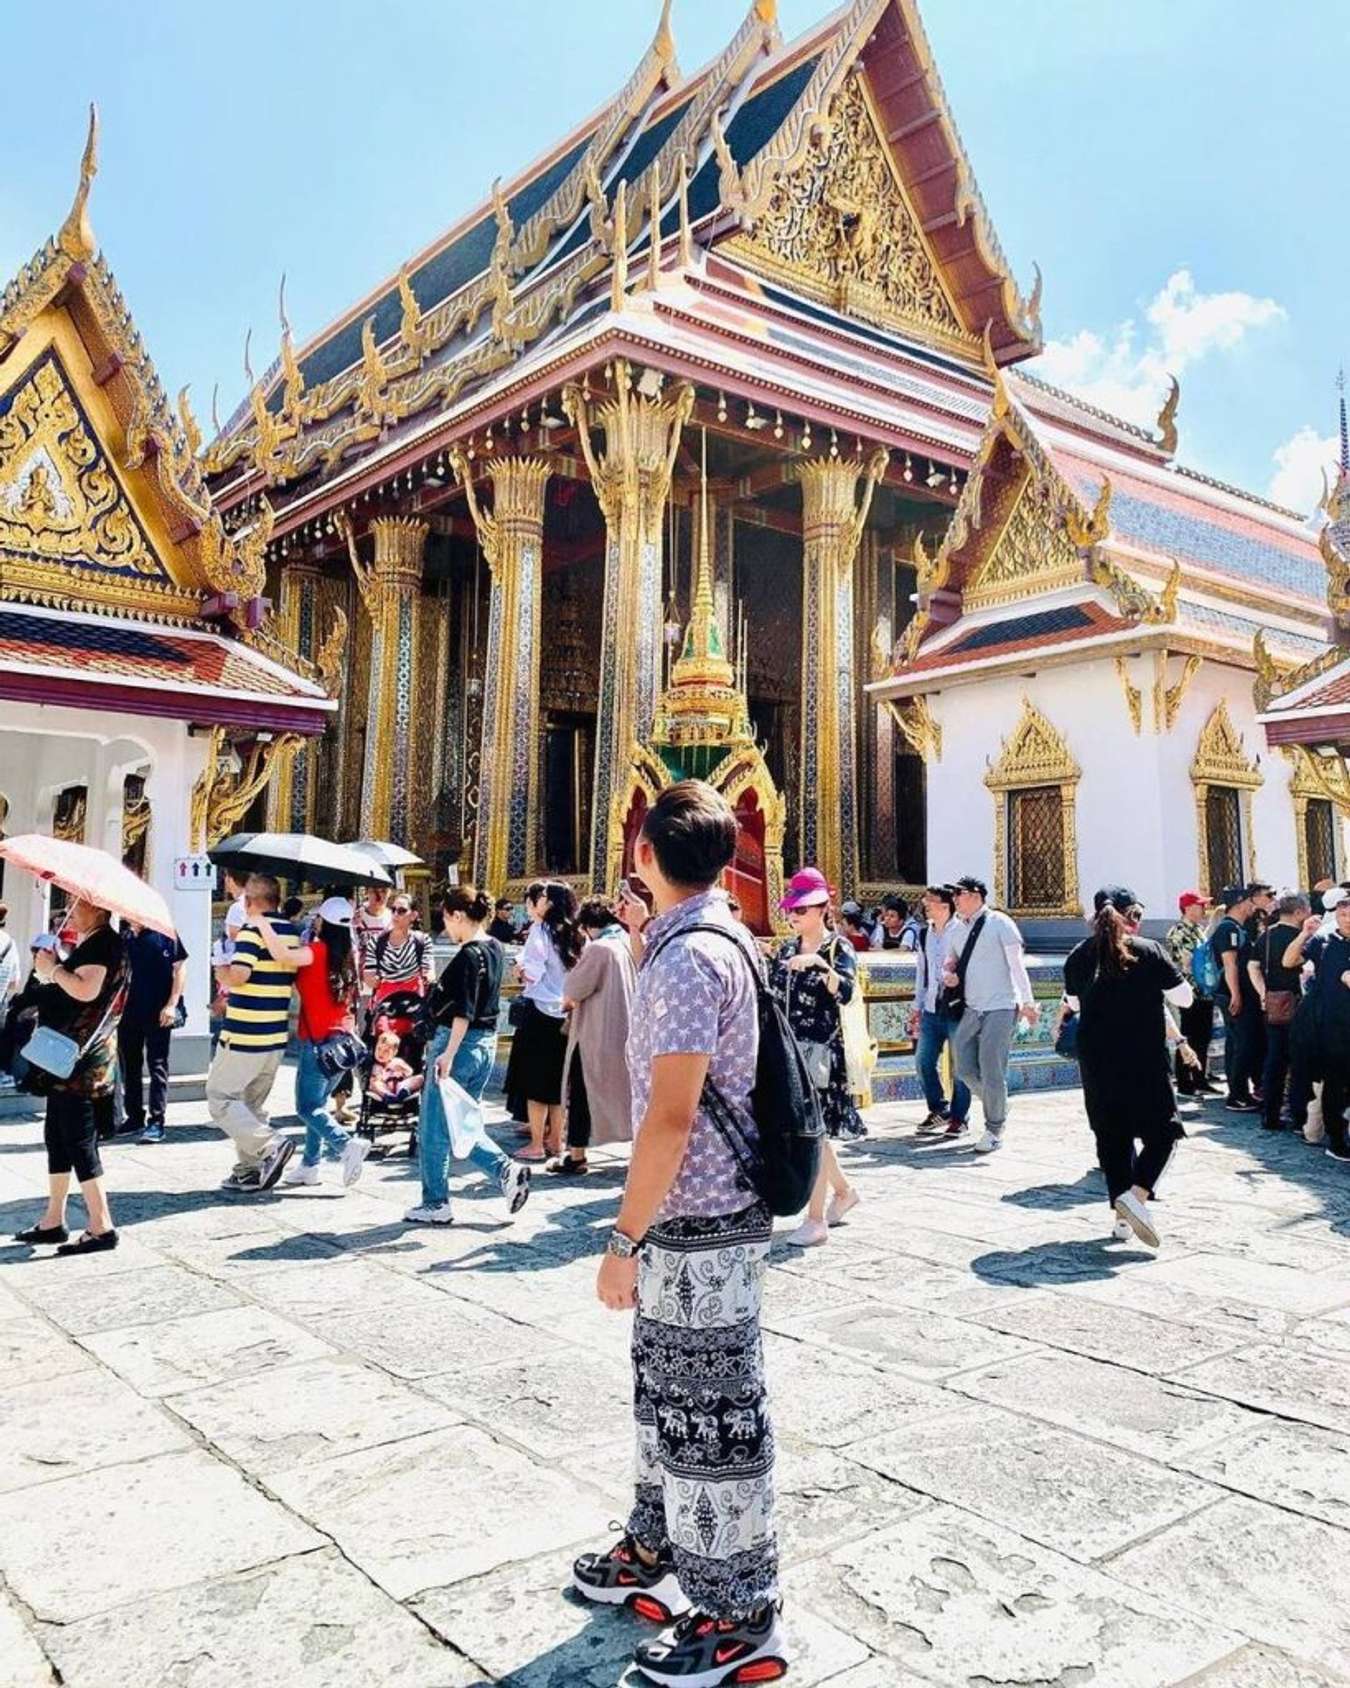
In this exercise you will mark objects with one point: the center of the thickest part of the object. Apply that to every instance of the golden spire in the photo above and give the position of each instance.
(664, 44)
(703, 661)
(76, 238)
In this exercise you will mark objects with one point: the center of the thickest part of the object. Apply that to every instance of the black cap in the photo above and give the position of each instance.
(1119, 896)
(1233, 895)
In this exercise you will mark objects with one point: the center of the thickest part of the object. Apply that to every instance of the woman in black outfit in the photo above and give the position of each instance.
(1117, 982)
(539, 1047)
(85, 1004)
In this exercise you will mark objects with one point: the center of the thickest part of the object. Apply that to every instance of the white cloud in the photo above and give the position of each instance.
(1300, 464)
(1126, 370)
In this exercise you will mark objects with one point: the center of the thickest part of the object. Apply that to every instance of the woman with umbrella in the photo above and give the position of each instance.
(83, 1004)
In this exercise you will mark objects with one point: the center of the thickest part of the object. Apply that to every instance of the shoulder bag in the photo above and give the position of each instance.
(952, 998)
(816, 1055)
(1280, 1005)
(56, 1055)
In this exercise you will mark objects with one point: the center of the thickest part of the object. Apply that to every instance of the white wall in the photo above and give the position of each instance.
(1136, 804)
(43, 750)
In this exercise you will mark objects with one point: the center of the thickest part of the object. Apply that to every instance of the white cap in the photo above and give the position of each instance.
(337, 911)
(1333, 898)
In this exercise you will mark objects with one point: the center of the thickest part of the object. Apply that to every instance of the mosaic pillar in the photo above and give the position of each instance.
(392, 589)
(833, 517)
(631, 479)
(875, 633)
(509, 786)
(290, 798)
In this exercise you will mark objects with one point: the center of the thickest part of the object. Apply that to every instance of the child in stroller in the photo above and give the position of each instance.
(393, 1074)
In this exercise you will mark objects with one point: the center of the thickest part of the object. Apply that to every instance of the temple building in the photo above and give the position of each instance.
(702, 445)
(143, 704)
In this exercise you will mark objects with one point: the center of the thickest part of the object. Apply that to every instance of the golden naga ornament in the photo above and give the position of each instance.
(1167, 418)
(221, 798)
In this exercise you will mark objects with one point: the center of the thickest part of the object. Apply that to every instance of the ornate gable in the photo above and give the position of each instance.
(61, 498)
(1033, 552)
(840, 227)
(1034, 754)
(1221, 757)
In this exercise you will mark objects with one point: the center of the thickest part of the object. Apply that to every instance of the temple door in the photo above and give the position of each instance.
(747, 877)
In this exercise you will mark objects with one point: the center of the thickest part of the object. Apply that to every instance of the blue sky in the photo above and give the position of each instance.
(1176, 167)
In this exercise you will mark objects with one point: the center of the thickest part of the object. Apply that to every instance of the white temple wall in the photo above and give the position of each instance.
(1136, 811)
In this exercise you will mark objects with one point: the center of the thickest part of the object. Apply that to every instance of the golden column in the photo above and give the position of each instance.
(632, 483)
(391, 588)
(512, 537)
(833, 518)
(290, 796)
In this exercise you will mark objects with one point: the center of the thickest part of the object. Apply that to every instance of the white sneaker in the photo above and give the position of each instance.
(354, 1160)
(429, 1215)
(809, 1234)
(1136, 1215)
(840, 1207)
(989, 1142)
(1121, 1232)
(299, 1173)
(515, 1183)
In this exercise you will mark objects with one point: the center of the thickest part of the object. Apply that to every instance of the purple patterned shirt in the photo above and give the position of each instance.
(697, 997)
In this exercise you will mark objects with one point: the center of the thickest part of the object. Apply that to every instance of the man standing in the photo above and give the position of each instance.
(158, 973)
(928, 1025)
(1197, 1021)
(503, 927)
(252, 1044)
(689, 1252)
(1330, 954)
(1279, 989)
(996, 989)
(1237, 1000)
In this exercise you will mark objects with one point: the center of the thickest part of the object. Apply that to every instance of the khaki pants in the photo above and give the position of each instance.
(237, 1088)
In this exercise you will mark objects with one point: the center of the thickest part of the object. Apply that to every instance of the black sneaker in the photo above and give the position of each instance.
(704, 1652)
(1234, 1106)
(1339, 1151)
(619, 1578)
(274, 1162)
(242, 1184)
(932, 1123)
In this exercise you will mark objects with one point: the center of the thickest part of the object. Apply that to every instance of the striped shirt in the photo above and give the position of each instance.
(257, 1013)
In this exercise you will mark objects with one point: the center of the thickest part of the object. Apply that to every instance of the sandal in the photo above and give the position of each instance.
(568, 1168)
(531, 1155)
(88, 1244)
(39, 1234)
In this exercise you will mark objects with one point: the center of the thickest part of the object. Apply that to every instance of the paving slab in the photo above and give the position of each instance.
(959, 1601)
(1295, 1466)
(922, 1345)
(530, 1400)
(831, 1399)
(1281, 1289)
(312, 1621)
(204, 1348)
(431, 1510)
(1232, 1564)
(77, 1422)
(1302, 1383)
(314, 1411)
(31, 1350)
(1106, 1332)
(141, 1297)
(22, 1661)
(1262, 1667)
(110, 1537)
(1076, 1496)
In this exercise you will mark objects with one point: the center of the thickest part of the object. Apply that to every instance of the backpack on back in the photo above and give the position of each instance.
(1206, 973)
(781, 1168)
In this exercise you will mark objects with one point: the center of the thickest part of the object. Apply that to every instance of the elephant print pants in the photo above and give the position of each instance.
(704, 1441)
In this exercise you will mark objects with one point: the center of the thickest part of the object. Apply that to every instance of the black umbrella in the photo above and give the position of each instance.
(299, 856)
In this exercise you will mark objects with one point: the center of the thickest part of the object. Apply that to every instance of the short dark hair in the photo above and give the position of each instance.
(1258, 888)
(692, 831)
(968, 882)
(504, 902)
(293, 908)
(944, 894)
(895, 903)
(595, 915)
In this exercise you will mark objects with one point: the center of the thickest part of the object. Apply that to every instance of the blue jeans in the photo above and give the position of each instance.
(471, 1070)
(935, 1032)
(313, 1087)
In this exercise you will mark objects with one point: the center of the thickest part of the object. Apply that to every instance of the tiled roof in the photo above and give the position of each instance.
(1246, 628)
(1332, 691)
(1048, 629)
(1177, 519)
(104, 650)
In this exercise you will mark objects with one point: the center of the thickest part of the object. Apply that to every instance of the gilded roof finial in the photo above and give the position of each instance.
(76, 238)
(248, 367)
(293, 382)
(215, 409)
(1034, 302)
(1167, 418)
(987, 348)
(703, 657)
(191, 431)
(618, 291)
(664, 44)
(767, 13)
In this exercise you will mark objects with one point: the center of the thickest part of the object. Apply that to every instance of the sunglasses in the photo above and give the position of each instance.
(402, 908)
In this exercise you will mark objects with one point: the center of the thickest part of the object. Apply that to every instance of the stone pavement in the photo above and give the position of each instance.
(290, 1441)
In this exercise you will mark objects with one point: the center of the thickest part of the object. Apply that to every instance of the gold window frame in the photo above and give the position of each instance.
(1221, 760)
(1036, 754)
(1306, 787)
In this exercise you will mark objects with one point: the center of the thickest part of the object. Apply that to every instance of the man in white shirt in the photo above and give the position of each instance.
(996, 989)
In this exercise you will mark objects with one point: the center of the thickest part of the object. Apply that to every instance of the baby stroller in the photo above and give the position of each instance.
(402, 1014)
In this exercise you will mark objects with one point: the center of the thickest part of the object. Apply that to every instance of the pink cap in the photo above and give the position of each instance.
(808, 888)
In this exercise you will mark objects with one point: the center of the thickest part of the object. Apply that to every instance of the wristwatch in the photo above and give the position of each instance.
(622, 1246)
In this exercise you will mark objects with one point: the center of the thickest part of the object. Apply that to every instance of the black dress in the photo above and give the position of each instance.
(814, 1016)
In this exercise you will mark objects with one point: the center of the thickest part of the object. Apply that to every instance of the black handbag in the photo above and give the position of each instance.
(518, 1011)
(952, 998)
(1066, 1041)
(340, 1053)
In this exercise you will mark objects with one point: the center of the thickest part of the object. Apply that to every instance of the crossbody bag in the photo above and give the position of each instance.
(952, 998)
(1281, 1006)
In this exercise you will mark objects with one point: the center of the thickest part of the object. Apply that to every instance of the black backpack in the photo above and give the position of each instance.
(781, 1168)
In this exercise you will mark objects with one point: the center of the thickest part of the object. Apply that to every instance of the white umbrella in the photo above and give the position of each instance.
(386, 854)
(299, 855)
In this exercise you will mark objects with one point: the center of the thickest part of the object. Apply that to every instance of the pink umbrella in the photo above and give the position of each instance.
(92, 875)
